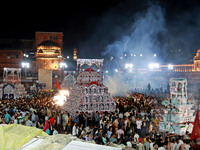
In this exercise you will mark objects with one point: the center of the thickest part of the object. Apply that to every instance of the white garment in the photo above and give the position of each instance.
(161, 148)
(187, 147)
(23, 114)
(126, 122)
(129, 144)
(13, 118)
(139, 124)
(136, 137)
(151, 146)
(55, 132)
(58, 120)
(65, 118)
(46, 118)
(29, 123)
(174, 147)
(15, 121)
(133, 119)
(179, 144)
(74, 131)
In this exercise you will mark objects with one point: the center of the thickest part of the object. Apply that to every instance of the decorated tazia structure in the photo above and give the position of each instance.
(89, 93)
(178, 115)
(12, 86)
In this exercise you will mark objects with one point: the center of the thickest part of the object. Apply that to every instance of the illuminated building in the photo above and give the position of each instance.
(194, 67)
(10, 59)
(49, 50)
(75, 55)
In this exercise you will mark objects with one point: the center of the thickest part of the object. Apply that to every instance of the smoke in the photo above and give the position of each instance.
(117, 86)
(145, 36)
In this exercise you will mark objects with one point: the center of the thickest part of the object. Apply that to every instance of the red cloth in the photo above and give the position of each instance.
(58, 85)
(196, 129)
(52, 120)
(139, 140)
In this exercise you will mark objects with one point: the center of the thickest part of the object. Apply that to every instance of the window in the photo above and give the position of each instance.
(54, 37)
(17, 56)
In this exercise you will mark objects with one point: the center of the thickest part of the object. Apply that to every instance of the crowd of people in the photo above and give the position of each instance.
(135, 123)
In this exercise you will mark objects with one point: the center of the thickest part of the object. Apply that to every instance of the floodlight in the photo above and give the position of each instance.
(170, 67)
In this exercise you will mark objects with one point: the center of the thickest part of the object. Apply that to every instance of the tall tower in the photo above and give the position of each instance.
(75, 55)
(48, 57)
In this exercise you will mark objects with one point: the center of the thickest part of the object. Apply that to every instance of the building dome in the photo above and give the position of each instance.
(49, 43)
(48, 47)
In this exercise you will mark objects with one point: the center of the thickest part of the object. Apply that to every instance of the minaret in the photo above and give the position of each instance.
(75, 55)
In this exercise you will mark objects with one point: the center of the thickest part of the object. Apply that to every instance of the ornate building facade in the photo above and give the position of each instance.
(49, 50)
(193, 67)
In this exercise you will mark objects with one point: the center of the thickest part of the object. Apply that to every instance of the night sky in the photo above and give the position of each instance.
(90, 26)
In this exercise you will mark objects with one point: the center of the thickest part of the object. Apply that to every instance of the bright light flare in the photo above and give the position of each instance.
(25, 65)
(63, 65)
(61, 98)
(129, 66)
(154, 66)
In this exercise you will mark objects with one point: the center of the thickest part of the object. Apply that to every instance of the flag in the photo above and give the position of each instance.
(196, 129)
(58, 85)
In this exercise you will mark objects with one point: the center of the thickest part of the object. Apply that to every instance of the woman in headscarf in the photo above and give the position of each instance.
(46, 126)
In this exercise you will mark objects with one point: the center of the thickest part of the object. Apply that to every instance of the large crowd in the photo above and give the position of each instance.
(135, 123)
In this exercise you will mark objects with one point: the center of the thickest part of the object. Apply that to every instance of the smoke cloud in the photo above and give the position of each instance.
(145, 36)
